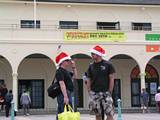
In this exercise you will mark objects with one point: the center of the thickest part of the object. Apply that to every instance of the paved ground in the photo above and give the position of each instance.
(133, 116)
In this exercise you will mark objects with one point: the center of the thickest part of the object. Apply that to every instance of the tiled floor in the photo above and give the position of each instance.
(133, 116)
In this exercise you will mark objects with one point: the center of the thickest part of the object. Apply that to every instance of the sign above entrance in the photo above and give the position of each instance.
(152, 48)
(152, 37)
(95, 36)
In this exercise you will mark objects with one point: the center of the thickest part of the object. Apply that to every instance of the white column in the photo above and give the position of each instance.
(35, 12)
(15, 90)
(142, 75)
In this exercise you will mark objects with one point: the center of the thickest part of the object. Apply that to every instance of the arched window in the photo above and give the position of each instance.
(150, 72)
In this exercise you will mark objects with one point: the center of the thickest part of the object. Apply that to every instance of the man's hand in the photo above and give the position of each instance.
(66, 100)
(73, 64)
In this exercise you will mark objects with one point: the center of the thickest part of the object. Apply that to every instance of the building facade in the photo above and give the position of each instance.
(32, 33)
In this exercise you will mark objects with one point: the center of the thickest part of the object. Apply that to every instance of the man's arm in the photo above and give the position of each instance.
(88, 85)
(64, 91)
(111, 82)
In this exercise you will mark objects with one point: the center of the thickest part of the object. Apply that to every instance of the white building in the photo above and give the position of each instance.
(129, 31)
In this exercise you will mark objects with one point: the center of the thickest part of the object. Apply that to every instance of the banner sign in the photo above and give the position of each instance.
(95, 36)
(152, 48)
(152, 37)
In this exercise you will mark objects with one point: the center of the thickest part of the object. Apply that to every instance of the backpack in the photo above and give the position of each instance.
(8, 98)
(54, 89)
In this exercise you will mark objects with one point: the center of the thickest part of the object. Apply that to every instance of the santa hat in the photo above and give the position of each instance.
(98, 50)
(62, 57)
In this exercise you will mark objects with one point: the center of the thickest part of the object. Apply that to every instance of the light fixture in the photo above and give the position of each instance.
(143, 8)
(68, 6)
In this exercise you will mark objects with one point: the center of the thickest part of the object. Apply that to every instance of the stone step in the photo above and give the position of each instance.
(82, 111)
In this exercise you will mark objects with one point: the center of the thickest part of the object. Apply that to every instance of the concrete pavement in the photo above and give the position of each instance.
(131, 116)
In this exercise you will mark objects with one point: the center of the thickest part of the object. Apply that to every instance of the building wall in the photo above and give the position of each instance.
(45, 69)
(86, 15)
(17, 43)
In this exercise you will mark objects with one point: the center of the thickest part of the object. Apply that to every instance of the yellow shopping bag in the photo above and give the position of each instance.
(69, 115)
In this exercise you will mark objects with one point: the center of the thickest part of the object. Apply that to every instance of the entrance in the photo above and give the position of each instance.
(135, 92)
(151, 83)
(36, 91)
(116, 91)
(151, 88)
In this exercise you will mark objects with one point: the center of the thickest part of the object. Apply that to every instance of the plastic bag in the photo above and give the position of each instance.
(69, 115)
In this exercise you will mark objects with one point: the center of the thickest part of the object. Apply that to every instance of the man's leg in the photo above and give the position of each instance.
(2, 105)
(159, 106)
(98, 117)
(7, 110)
(60, 102)
(24, 109)
(102, 111)
(109, 117)
(108, 106)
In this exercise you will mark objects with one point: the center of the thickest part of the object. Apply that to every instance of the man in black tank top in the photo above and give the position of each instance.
(100, 84)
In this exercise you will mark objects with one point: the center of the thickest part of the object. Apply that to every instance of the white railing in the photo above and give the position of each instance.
(79, 27)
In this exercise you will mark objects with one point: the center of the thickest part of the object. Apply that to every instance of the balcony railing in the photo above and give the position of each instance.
(79, 27)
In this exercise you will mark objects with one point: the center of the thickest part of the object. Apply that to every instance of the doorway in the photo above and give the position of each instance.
(135, 92)
(151, 88)
(36, 92)
(151, 83)
(116, 91)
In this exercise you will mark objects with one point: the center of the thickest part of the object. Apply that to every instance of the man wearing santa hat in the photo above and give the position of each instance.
(64, 77)
(100, 84)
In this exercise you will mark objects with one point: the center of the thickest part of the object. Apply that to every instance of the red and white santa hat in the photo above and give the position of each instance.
(62, 57)
(98, 50)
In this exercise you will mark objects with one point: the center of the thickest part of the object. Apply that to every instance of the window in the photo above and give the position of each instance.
(30, 24)
(116, 91)
(36, 90)
(1, 82)
(142, 26)
(108, 25)
(68, 24)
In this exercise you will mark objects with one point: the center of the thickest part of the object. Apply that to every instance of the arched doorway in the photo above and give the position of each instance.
(35, 73)
(82, 63)
(122, 64)
(151, 83)
(5, 72)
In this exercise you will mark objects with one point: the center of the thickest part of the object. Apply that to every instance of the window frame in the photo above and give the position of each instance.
(30, 24)
(68, 25)
(108, 25)
(144, 26)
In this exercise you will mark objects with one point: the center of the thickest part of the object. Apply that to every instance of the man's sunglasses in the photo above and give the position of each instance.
(67, 60)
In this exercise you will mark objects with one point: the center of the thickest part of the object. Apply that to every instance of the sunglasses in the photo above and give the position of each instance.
(93, 54)
(67, 60)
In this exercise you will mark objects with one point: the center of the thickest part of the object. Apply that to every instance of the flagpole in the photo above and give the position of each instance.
(35, 11)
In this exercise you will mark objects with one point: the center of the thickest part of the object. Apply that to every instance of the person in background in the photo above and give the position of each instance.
(144, 100)
(100, 84)
(1, 98)
(84, 77)
(64, 78)
(3, 91)
(8, 100)
(157, 99)
(25, 102)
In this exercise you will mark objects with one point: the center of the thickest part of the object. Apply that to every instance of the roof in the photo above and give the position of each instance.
(134, 2)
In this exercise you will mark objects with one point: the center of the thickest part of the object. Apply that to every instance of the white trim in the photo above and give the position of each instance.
(96, 52)
(63, 59)
(35, 13)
